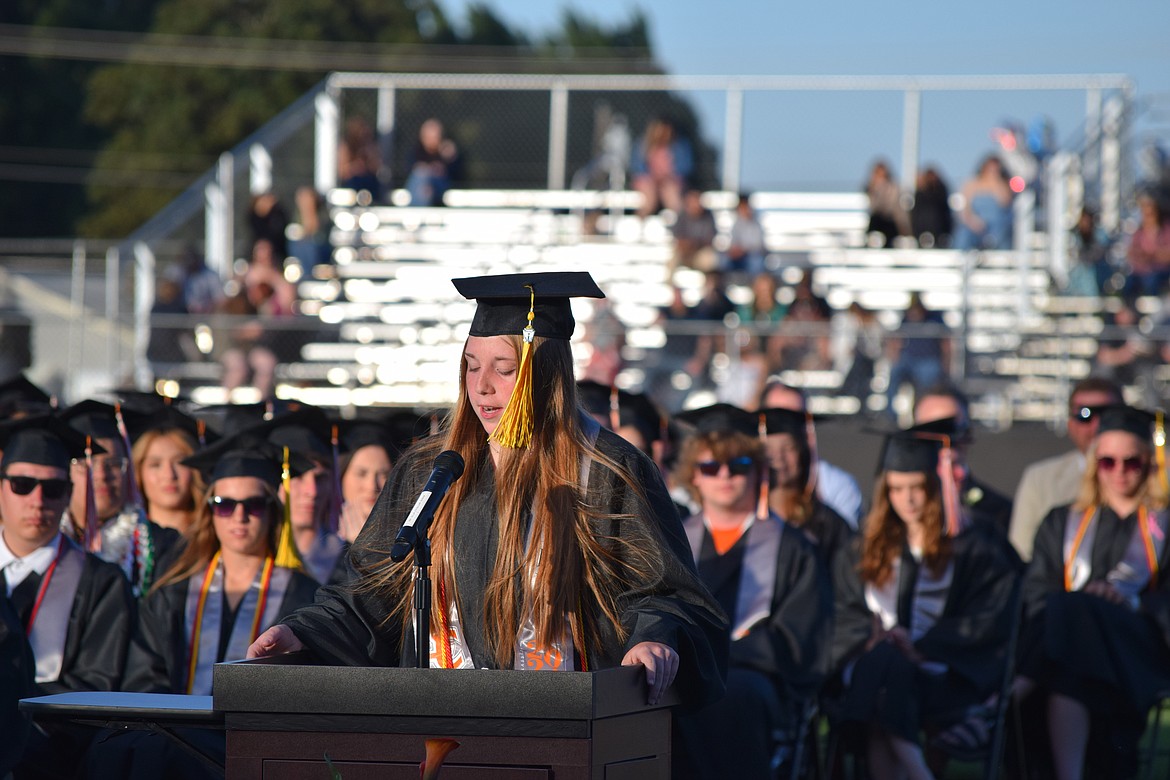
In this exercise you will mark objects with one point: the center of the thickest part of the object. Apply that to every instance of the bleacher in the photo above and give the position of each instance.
(392, 324)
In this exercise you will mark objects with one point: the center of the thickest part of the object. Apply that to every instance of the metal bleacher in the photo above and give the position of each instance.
(395, 324)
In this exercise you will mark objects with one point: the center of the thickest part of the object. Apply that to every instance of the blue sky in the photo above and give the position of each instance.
(828, 141)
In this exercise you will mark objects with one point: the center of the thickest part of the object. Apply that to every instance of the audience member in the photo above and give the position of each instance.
(1148, 255)
(857, 347)
(805, 340)
(920, 351)
(268, 221)
(606, 335)
(1124, 353)
(663, 161)
(359, 159)
(168, 327)
(1055, 481)
(887, 214)
(694, 234)
(435, 164)
(766, 312)
(309, 235)
(1091, 272)
(746, 247)
(986, 219)
(768, 578)
(202, 287)
(931, 219)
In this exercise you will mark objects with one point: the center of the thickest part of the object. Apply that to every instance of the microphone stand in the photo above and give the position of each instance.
(422, 602)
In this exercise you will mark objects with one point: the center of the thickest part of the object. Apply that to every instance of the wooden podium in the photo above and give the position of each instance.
(283, 719)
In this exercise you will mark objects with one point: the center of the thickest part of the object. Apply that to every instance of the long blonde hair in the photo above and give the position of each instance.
(186, 444)
(582, 572)
(202, 544)
(1152, 494)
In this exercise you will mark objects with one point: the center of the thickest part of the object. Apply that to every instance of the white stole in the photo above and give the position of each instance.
(50, 621)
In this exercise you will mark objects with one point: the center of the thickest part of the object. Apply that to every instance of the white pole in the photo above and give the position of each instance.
(385, 127)
(143, 302)
(327, 137)
(259, 170)
(733, 140)
(113, 293)
(558, 135)
(911, 129)
(76, 320)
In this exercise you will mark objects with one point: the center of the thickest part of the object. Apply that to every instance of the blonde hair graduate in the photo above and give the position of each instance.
(559, 547)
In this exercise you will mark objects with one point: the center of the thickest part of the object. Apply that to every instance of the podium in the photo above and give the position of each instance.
(285, 719)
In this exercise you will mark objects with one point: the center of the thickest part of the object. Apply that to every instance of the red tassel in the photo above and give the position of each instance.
(91, 536)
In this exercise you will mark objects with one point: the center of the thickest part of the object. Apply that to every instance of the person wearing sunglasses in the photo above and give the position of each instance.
(1055, 481)
(773, 585)
(226, 586)
(75, 610)
(1095, 646)
(923, 611)
(124, 534)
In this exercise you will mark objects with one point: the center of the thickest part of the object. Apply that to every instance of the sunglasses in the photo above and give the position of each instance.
(254, 506)
(737, 467)
(1082, 414)
(1132, 464)
(51, 489)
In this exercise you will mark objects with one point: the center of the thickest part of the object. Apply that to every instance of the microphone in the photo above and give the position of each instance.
(448, 468)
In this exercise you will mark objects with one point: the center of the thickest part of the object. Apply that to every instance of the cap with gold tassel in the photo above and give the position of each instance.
(528, 304)
(286, 549)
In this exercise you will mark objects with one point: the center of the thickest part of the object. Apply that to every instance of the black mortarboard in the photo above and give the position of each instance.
(946, 426)
(721, 417)
(504, 302)
(247, 454)
(630, 409)
(1126, 418)
(907, 451)
(164, 418)
(306, 431)
(93, 418)
(147, 400)
(43, 440)
(20, 396)
(594, 398)
(232, 418)
(778, 420)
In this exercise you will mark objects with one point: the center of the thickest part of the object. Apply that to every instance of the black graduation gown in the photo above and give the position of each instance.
(774, 670)
(16, 682)
(985, 504)
(827, 530)
(348, 628)
(158, 653)
(100, 623)
(1106, 655)
(970, 637)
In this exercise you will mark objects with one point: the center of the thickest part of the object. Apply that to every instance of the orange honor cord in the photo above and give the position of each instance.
(197, 627)
(91, 536)
(446, 656)
(810, 433)
(262, 601)
(765, 473)
(1144, 520)
(1076, 545)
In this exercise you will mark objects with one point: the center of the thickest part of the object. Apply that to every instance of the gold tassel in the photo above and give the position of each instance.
(763, 507)
(514, 430)
(1160, 448)
(287, 554)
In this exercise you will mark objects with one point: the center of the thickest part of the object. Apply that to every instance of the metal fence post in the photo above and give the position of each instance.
(113, 296)
(144, 266)
(219, 218)
(77, 313)
(558, 135)
(327, 118)
(385, 128)
(259, 169)
(1056, 208)
(1112, 123)
(911, 129)
(733, 139)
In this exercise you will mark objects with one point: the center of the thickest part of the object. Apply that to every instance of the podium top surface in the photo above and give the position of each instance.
(124, 707)
(276, 686)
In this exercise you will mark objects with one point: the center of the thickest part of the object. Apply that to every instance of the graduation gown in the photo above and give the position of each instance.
(159, 651)
(16, 682)
(1104, 654)
(828, 531)
(671, 606)
(985, 504)
(774, 670)
(969, 638)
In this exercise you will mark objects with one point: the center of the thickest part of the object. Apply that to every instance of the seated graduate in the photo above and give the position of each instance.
(16, 683)
(170, 492)
(769, 577)
(365, 456)
(309, 495)
(104, 515)
(607, 576)
(790, 446)
(237, 575)
(923, 610)
(1095, 645)
(75, 610)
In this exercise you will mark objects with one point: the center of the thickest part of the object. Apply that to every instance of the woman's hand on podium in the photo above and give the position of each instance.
(661, 664)
(277, 640)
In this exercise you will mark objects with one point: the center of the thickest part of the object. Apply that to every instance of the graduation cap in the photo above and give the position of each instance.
(166, 418)
(44, 440)
(955, 430)
(230, 418)
(526, 304)
(790, 421)
(146, 400)
(306, 431)
(910, 451)
(621, 408)
(721, 417)
(93, 418)
(20, 396)
(1139, 422)
(247, 454)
